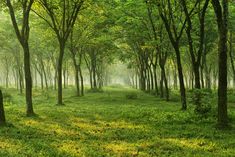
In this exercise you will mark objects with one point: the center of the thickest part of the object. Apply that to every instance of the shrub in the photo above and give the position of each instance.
(202, 99)
(7, 97)
(46, 94)
(131, 96)
(95, 90)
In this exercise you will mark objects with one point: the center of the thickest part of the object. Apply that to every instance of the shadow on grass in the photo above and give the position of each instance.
(107, 124)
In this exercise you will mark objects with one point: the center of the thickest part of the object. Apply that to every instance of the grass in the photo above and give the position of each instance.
(109, 124)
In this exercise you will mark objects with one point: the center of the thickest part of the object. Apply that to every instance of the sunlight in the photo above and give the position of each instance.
(193, 143)
(9, 144)
(68, 147)
(120, 148)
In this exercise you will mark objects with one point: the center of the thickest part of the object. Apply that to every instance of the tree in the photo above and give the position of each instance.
(61, 17)
(195, 57)
(221, 12)
(23, 37)
(175, 34)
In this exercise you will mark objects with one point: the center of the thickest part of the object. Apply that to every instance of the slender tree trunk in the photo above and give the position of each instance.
(136, 78)
(151, 78)
(35, 78)
(91, 80)
(175, 77)
(148, 79)
(76, 71)
(81, 76)
(55, 79)
(59, 72)
(7, 74)
(94, 72)
(44, 74)
(82, 82)
(202, 76)
(2, 113)
(28, 81)
(14, 71)
(181, 78)
(231, 56)
(42, 82)
(161, 85)
(20, 80)
(64, 77)
(197, 76)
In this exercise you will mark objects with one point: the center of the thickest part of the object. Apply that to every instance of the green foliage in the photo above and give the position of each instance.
(132, 95)
(95, 90)
(7, 97)
(202, 99)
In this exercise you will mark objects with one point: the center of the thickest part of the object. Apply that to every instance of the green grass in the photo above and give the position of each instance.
(109, 124)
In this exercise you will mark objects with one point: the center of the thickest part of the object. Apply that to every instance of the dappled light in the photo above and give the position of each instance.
(125, 128)
(117, 78)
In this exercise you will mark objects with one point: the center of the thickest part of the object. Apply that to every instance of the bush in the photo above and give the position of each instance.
(7, 97)
(202, 99)
(46, 94)
(95, 90)
(131, 96)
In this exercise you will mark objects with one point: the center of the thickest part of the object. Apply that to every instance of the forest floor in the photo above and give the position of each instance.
(109, 124)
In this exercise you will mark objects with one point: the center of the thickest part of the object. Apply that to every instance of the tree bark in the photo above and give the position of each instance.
(2, 113)
(181, 78)
(231, 56)
(155, 79)
(76, 71)
(28, 81)
(59, 72)
(221, 11)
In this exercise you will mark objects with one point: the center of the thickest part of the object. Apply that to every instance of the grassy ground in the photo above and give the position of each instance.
(109, 124)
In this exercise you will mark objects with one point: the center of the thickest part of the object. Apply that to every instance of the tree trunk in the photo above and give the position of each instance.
(181, 78)
(59, 72)
(81, 75)
(76, 71)
(221, 12)
(94, 72)
(166, 85)
(20, 80)
(2, 113)
(64, 77)
(202, 76)
(28, 81)
(148, 79)
(151, 78)
(231, 56)
(222, 89)
(45, 74)
(41, 76)
(161, 85)
(175, 77)
(197, 76)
